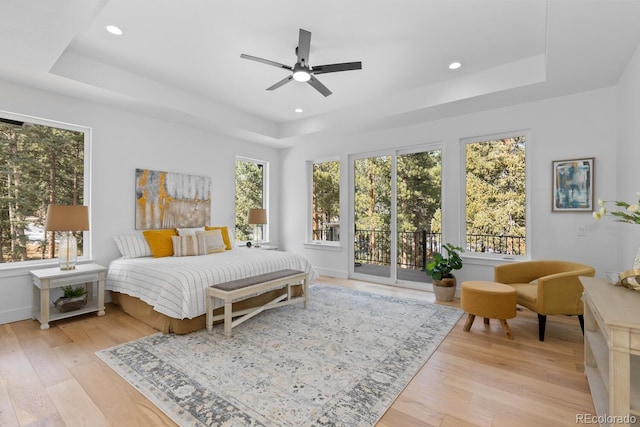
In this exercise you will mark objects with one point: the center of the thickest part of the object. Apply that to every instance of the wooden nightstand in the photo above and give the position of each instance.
(50, 278)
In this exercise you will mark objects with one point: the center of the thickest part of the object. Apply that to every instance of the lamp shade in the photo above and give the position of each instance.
(257, 216)
(67, 218)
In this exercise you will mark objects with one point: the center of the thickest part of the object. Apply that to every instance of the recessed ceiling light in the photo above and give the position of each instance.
(114, 30)
(455, 65)
(298, 110)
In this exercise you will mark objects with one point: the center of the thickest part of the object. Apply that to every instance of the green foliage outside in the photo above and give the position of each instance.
(495, 176)
(249, 194)
(419, 191)
(326, 201)
(39, 165)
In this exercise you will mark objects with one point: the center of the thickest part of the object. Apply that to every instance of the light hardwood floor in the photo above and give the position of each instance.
(477, 378)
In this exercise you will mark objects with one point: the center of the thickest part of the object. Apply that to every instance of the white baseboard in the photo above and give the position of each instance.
(15, 315)
(332, 273)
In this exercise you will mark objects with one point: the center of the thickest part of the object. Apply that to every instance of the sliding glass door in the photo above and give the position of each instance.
(372, 216)
(396, 214)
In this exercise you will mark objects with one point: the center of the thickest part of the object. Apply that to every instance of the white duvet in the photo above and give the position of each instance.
(176, 286)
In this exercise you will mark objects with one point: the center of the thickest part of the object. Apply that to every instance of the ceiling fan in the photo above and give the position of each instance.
(302, 71)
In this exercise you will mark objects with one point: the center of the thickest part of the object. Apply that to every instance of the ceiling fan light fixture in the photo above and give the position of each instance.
(300, 73)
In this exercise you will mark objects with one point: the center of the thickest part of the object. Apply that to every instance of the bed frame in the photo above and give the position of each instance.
(145, 313)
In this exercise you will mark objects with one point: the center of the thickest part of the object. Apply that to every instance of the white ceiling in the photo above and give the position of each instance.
(180, 60)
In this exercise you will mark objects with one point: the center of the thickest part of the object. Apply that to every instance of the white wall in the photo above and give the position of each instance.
(581, 125)
(122, 142)
(628, 158)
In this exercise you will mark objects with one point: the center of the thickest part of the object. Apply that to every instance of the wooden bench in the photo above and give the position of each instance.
(248, 286)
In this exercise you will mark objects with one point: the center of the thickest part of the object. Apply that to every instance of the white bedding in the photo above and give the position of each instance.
(175, 286)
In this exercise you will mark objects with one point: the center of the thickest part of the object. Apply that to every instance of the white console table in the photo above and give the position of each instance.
(612, 350)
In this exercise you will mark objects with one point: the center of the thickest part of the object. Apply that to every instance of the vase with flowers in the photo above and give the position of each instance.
(630, 213)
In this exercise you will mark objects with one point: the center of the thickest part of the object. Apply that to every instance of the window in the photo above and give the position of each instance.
(495, 180)
(41, 163)
(251, 185)
(325, 201)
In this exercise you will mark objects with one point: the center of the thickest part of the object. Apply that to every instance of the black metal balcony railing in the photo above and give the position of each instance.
(415, 248)
(506, 245)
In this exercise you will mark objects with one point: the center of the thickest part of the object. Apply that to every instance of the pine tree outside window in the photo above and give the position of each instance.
(325, 201)
(41, 163)
(495, 183)
(251, 192)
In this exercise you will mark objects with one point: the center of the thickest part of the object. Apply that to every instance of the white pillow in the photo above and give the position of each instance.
(189, 231)
(132, 246)
(212, 241)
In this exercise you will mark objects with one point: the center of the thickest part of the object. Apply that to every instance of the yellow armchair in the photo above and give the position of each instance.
(547, 287)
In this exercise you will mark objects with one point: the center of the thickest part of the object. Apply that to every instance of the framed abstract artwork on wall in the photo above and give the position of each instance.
(171, 200)
(573, 185)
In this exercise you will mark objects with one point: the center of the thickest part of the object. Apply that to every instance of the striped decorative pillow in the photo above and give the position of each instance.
(132, 246)
(188, 246)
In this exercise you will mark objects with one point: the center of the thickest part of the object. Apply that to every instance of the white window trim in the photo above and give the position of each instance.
(463, 191)
(309, 241)
(87, 254)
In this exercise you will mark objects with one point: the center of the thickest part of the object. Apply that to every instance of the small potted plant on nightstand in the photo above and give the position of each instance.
(444, 282)
(72, 299)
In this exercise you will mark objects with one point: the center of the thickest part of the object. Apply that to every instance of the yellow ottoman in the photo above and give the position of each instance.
(490, 300)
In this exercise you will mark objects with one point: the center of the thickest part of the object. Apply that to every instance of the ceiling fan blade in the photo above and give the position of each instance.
(319, 86)
(266, 61)
(281, 83)
(332, 68)
(304, 45)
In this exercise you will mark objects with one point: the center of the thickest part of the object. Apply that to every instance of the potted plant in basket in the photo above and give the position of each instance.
(440, 268)
(72, 299)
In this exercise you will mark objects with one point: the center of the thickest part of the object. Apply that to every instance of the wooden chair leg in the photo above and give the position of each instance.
(486, 320)
(506, 329)
(470, 319)
(581, 319)
(542, 323)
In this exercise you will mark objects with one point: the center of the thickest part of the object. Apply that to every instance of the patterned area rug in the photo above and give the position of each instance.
(341, 361)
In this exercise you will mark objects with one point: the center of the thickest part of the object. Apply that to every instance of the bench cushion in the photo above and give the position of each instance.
(254, 280)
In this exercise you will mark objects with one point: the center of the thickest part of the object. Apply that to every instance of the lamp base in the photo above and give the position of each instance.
(68, 252)
(257, 243)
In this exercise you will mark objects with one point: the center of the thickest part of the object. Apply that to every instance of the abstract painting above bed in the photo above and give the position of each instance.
(170, 200)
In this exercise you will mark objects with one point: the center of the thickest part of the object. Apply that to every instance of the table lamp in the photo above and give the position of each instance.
(257, 217)
(67, 219)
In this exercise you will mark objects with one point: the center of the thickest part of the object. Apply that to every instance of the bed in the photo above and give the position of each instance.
(168, 293)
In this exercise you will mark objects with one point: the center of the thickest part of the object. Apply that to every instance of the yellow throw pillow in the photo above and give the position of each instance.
(160, 241)
(225, 235)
